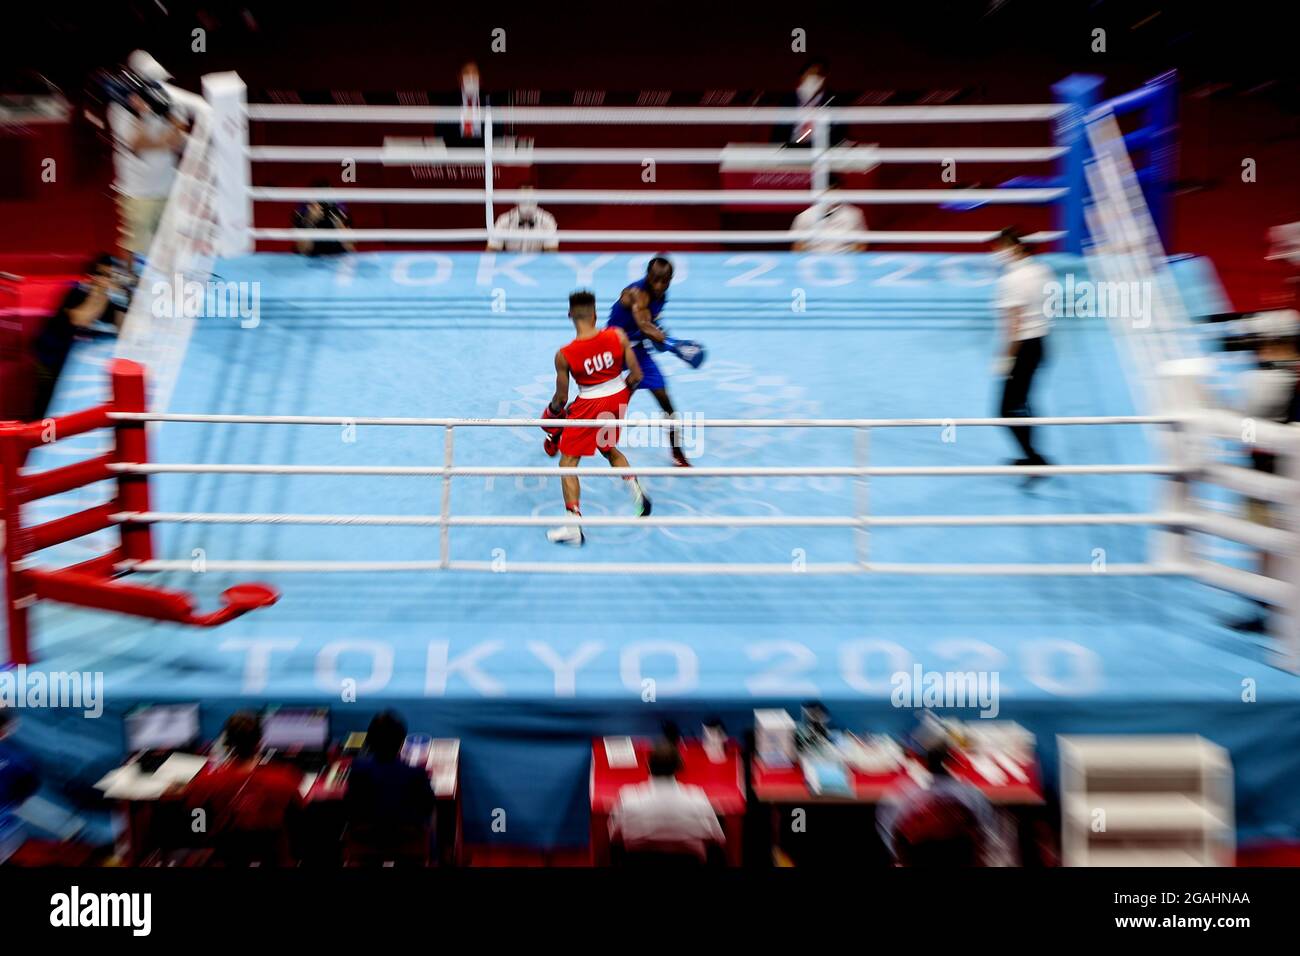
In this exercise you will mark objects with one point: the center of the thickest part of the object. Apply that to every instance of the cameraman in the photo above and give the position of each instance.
(147, 137)
(93, 307)
(1272, 393)
(322, 215)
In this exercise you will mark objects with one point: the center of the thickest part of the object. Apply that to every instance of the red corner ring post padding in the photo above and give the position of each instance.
(91, 583)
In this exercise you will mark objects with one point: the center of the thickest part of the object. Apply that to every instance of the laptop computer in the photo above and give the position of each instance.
(297, 735)
(155, 732)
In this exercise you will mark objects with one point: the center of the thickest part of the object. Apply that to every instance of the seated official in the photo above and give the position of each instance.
(831, 222)
(530, 218)
(662, 817)
(93, 306)
(19, 778)
(949, 824)
(389, 804)
(249, 804)
(322, 215)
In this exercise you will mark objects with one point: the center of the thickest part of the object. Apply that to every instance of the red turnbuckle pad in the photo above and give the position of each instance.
(160, 604)
(239, 600)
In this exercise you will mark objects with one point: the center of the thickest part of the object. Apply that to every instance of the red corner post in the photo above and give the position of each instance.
(17, 440)
(18, 594)
(131, 445)
(92, 583)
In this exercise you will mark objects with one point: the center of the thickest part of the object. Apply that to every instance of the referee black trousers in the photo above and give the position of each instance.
(1015, 394)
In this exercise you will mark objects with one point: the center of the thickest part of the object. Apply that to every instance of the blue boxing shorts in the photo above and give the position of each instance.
(651, 377)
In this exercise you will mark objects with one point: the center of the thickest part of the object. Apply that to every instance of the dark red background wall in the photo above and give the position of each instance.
(1238, 86)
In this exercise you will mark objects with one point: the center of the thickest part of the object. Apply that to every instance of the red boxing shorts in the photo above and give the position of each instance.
(580, 442)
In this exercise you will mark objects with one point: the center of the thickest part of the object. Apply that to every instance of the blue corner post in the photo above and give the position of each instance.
(1162, 156)
(1079, 93)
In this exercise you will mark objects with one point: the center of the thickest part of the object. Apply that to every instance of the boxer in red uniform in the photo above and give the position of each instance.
(595, 360)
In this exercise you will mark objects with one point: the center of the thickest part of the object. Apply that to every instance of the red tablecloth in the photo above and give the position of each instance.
(724, 782)
(786, 784)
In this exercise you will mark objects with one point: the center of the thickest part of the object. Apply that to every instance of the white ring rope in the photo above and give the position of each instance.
(1222, 526)
(820, 159)
(665, 471)
(655, 197)
(636, 115)
(667, 568)
(223, 419)
(654, 237)
(1179, 521)
(1171, 520)
(777, 157)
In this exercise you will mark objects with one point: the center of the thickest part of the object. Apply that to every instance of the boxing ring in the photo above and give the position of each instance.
(370, 449)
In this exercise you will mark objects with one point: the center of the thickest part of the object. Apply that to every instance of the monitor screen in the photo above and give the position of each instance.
(284, 729)
(162, 727)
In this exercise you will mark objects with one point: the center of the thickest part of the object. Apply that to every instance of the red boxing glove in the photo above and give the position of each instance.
(551, 432)
(552, 444)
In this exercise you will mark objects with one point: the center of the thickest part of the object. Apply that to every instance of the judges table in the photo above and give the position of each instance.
(1008, 785)
(722, 782)
(139, 796)
(783, 785)
(443, 766)
(747, 167)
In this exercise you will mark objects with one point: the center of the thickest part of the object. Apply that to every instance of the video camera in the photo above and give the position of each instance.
(1247, 331)
(119, 86)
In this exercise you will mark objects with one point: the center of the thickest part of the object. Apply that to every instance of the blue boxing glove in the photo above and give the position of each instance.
(692, 353)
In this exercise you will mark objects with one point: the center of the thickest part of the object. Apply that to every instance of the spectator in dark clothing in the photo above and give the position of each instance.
(809, 95)
(94, 306)
(389, 804)
(249, 804)
(470, 98)
(322, 215)
(19, 778)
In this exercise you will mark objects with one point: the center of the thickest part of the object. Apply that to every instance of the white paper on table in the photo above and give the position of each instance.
(444, 749)
(920, 776)
(620, 753)
(181, 768)
(127, 783)
(1010, 766)
(107, 781)
(987, 769)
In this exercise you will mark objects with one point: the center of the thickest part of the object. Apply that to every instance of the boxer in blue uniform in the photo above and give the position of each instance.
(636, 312)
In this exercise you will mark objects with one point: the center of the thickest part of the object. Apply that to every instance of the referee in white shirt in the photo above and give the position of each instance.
(662, 816)
(1021, 301)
